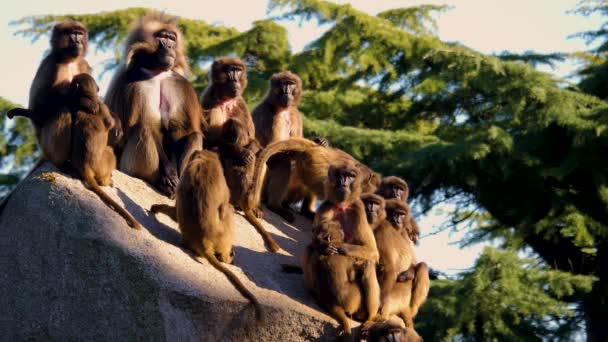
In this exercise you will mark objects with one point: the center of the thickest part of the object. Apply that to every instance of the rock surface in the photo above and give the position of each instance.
(74, 270)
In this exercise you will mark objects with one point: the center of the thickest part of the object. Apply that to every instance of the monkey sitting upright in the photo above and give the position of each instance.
(402, 292)
(344, 207)
(92, 158)
(395, 187)
(223, 98)
(237, 151)
(205, 216)
(157, 105)
(48, 103)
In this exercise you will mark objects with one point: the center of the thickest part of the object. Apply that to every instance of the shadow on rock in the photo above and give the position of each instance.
(160, 230)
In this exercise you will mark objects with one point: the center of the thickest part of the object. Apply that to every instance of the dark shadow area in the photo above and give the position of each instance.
(264, 270)
(158, 229)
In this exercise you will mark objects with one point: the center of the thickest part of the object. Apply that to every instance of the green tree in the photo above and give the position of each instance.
(521, 154)
(18, 147)
(503, 298)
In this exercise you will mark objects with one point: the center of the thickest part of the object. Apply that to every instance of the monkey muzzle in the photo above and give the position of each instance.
(397, 193)
(341, 193)
(397, 220)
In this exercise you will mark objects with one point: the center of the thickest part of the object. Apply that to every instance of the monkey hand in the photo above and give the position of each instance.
(246, 157)
(321, 141)
(332, 249)
(168, 179)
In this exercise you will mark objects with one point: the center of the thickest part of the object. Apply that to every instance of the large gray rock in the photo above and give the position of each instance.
(73, 270)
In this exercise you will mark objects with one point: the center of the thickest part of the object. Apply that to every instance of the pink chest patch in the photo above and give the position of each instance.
(229, 108)
(286, 123)
(340, 215)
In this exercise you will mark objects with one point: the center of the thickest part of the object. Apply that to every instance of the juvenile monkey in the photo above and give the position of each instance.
(157, 105)
(48, 104)
(336, 283)
(343, 206)
(311, 163)
(223, 98)
(92, 158)
(205, 217)
(401, 295)
(237, 152)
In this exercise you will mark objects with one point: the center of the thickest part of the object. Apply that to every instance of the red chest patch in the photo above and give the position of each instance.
(341, 215)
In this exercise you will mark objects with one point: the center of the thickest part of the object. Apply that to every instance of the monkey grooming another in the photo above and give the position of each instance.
(238, 151)
(205, 217)
(223, 98)
(277, 118)
(157, 105)
(343, 206)
(311, 163)
(92, 158)
(401, 295)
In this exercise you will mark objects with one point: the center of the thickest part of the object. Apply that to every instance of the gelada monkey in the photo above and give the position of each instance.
(48, 104)
(223, 98)
(277, 118)
(401, 295)
(205, 217)
(310, 170)
(344, 207)
(157, 105)
(92, 158)
(237, 152)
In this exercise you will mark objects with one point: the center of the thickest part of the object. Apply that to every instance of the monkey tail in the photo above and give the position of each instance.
(165, 209)
(259, 312)
(270, 243)
(91, 183)
(290, 145)
(420, 288)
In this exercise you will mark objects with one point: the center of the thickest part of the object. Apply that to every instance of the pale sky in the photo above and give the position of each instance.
(489, 26)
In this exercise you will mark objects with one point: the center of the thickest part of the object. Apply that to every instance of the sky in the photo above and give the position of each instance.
(489, 26)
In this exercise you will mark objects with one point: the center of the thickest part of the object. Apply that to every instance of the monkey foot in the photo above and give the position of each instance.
(258, 212)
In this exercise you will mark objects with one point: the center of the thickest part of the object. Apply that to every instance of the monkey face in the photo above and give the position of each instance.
(397, 216)
(165, 52)
(373, 209)
(70, 39)
(396, 191)
(285, 92)
(232, 77)
(342, 179)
